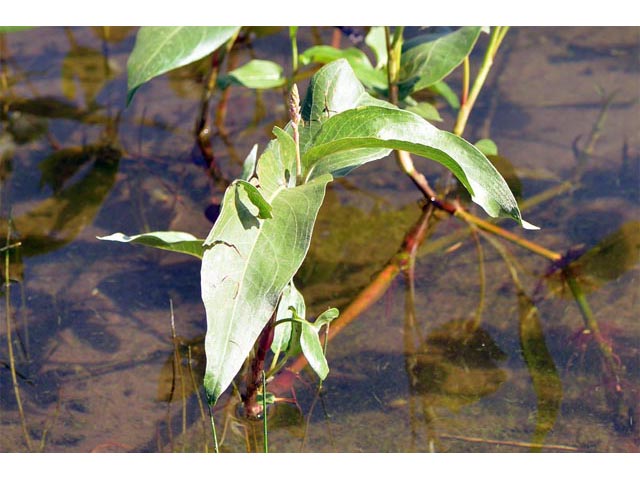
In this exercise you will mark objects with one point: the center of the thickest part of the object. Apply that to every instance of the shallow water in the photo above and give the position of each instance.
(90, 321)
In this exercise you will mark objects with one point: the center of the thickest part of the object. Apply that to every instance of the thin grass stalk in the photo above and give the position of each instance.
(178, 370)
(12, 362)
(200, 403)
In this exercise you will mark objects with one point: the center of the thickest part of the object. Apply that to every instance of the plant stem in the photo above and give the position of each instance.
(294, 53)
(497, 35)
(252, 408)
(464, 97)
(216, 448)
(265, 433)
(507, 235)
(12, 362)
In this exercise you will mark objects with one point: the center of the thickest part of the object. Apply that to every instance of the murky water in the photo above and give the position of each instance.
(90, 322)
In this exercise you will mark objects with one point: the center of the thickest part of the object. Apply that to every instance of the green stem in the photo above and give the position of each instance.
(294, 53)
(213, 430)
(497, 35)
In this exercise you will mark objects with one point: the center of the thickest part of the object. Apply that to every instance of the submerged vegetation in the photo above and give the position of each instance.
(265, 322)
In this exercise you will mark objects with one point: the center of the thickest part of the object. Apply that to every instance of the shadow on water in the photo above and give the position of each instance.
(485, 348)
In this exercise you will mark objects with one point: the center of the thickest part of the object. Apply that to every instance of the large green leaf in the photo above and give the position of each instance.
(249, 260)
(429, 58)
(345, 127)
(160, 49)
(179, 242)
(354, 137)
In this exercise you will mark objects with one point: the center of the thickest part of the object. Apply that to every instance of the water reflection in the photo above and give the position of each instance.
(92, 339)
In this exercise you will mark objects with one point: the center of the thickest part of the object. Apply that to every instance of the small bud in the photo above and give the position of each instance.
(294, 104)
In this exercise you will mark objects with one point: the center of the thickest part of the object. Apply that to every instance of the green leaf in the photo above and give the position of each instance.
(179, 242)
(358, 60)
(429, 58)
(426, 111)
(487, 146)
(13, 29)
(249, 164)
(310, 340)
(376, 41)
(259, 74)
(248, 262)
(291, 299)
(160, 49)
(354, 137)
(446, 92)
(312, 349)
(254, 195)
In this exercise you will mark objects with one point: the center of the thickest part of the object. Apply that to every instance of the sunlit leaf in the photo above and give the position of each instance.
(338, 149)
(445, 91)
(179, 242)
(365, 129)
(426, 111)
(376, 41)
(257, 74)
(429, 58)
(247, 264)
(249, 164)
(487, 146)
(291, 298)
(358, 60)
(14, 29)
(160, 49)
(309, 340)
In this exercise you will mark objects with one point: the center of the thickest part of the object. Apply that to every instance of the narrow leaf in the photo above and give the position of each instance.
(291, 299)
(249, 165)
(312, 349)
(160, 49)
(179, 242)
